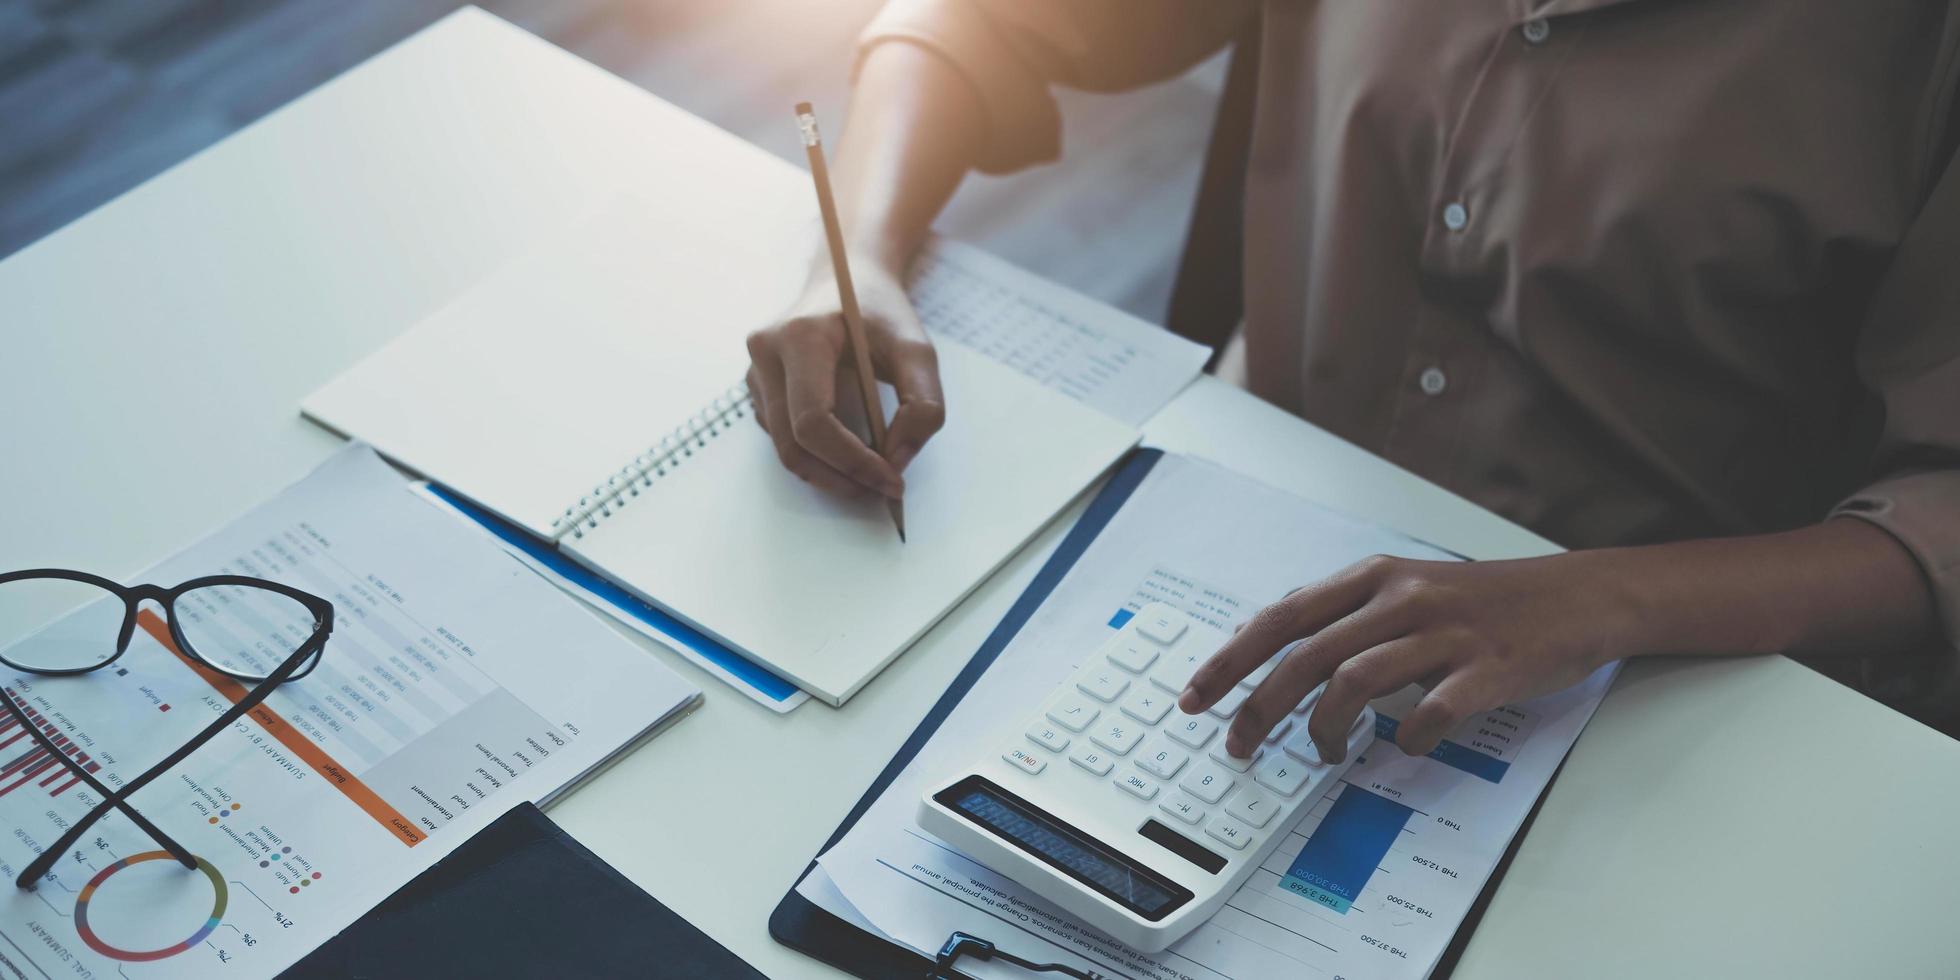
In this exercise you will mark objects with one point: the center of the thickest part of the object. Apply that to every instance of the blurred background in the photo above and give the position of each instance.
(97, 96)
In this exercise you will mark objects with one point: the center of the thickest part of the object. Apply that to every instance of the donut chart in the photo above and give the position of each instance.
(218, 898)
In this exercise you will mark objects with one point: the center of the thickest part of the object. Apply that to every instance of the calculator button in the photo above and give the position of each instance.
(1263, 671)
(1093, 759)
(1024, 760)
(1229, 705)
(1048, 737)
(1279, 731)
(1104, 684)
(1073, 713)
(1192, 730)
(1164, 761)
(1226, 759)
(1173, 673)
(1229, 832)
(1147, 704)
(1207, 781)
(1300, 746)
(1130, 652)
(1306, 704)
(1252, 806)
(1138, 786)
(1162, 623)
(1282, 774)
(1183, 808)
(1118, 737)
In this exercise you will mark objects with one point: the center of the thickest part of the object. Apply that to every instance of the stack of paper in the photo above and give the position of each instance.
(1371, 882)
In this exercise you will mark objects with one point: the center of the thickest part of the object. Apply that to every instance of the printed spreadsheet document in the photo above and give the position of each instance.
(456, 684)
(1371, 881)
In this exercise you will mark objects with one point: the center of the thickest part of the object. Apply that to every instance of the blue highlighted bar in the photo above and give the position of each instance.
(1449, 753)
(1122, 616)
(1347, 847)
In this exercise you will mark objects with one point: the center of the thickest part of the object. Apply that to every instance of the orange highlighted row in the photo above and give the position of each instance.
(305, 748)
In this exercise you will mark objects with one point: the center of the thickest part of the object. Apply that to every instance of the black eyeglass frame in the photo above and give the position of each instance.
(133, 597)
(305, 655)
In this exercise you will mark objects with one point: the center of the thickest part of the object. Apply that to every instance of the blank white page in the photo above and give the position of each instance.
(820, 589)
(553, 372)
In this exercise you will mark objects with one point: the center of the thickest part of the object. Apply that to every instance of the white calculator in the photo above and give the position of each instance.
(1125, 811)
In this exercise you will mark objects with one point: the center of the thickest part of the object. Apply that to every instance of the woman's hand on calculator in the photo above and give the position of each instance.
(1477, 635)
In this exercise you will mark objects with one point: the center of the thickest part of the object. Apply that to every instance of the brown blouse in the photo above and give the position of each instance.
(1620, 271)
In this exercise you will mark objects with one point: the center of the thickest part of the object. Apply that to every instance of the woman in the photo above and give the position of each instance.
(1675, 285)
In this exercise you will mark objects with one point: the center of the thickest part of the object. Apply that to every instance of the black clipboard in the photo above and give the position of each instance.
(520, 899)
(800, 924)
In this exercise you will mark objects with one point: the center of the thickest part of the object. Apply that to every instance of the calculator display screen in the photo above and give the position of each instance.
(1064, 848)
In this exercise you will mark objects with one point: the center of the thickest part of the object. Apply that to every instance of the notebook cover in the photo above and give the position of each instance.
(520, 899)
(800, 924)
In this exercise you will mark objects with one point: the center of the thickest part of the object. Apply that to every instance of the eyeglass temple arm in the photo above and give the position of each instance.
(251, 700)
(109, 796)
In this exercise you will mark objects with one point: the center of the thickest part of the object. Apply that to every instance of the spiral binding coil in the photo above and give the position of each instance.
(664, 457)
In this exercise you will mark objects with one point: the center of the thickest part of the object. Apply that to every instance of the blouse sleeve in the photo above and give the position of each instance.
(1011, 51)
(1908, 356)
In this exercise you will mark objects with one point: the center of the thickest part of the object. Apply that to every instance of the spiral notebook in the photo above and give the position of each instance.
(590, 393)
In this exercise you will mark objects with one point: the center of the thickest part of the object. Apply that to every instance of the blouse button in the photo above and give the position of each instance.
(1456, 216)
(1536, 30)
(1433, 381)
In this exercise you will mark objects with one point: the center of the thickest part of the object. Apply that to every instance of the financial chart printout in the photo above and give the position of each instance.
(1371, 881)
(455, 685)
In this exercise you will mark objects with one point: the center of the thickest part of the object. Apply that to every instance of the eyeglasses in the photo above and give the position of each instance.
(58, 623)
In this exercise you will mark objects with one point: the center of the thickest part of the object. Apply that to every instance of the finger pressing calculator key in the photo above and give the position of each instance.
(1150, 826)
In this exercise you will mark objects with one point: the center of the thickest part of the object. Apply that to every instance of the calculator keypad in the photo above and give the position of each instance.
(1114, 721)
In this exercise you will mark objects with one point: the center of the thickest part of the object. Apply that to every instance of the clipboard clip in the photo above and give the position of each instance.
(966, 944)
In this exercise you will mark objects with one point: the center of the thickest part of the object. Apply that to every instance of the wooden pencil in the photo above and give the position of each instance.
(806, 122)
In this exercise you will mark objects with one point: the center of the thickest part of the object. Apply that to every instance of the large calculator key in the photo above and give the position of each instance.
(1116, 736)
(1093, 759)
(1230, 704)
(1263, 671)
(1173, 672)
(1229, 832)
(1191, 730)
(1229, 761)
(1104, 684)
(1252, 806)
(1279, 731)
(1282, 774)
(1300, 746)
(1147, 704)
(1073, 712)
(1141, 787)
(1207, 781)
(1162, 623)
(1131, 652)
(1183, 808)
(1306, 704)
(1024, 760)
(1163, 761)
(1048, 737)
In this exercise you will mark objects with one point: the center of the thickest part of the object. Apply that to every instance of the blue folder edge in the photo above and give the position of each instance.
(746, 671)
(800, 924)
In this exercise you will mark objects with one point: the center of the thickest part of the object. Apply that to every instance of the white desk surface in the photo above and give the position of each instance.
(1738, 818)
